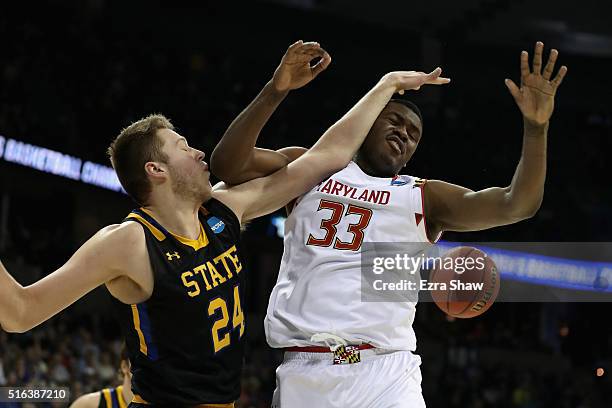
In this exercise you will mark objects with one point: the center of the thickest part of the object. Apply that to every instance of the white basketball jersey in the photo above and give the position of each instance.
(319, 283)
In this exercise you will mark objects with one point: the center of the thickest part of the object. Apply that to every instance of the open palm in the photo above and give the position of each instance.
(536, 96)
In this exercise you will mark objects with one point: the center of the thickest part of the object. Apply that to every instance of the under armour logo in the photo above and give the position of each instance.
(175, 255)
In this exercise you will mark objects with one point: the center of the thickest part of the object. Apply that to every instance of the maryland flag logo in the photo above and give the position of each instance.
(419, 182)
(347, 355)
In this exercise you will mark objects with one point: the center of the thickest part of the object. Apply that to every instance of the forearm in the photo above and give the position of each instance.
(341, 141)
(234, 152)
(527, 188)
(11, 301)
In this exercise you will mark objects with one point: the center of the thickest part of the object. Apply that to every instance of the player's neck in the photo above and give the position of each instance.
(368, 169)
(178, 216)
(364, 166)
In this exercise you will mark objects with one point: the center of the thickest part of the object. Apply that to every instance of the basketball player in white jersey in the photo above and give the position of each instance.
(340, 351)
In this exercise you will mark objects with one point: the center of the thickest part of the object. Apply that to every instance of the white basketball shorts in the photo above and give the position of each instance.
(382, 379)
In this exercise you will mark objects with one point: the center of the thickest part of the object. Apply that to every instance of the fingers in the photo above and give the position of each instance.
(550, 65)
(304, 51)
(537, 58)
(301, 47)
(514, 90)
(434, 78)
(413, 80)
(439, 81)
(308, 46)
(537, 66)
(295, 45)
(435, 73)
(560, 75)
(312, 53)
(524, 64)
(321, 65)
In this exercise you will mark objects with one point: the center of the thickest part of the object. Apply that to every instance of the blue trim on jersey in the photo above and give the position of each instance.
(114, 398)
(145, 326)
(152, 221)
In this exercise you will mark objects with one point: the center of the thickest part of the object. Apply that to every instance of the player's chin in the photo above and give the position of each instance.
(389, 166)
(394, 161)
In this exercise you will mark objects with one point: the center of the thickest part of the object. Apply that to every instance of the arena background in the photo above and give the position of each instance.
(72, 74)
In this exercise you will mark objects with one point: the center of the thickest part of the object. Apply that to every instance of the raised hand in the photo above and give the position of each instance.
(295, 71)
(536, 96)
(413, 80)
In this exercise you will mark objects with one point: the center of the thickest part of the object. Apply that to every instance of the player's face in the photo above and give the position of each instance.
(391, 142)
(187, 169)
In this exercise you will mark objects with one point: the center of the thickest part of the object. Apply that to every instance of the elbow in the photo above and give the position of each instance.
(13, 324)
(221, 171)
(216, 166)
(526, 212)
(530, 213)
(533, 209)
(522, 207)
(13, 327)
(230, 170)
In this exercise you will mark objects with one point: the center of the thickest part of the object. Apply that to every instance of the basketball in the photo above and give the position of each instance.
(465, 282)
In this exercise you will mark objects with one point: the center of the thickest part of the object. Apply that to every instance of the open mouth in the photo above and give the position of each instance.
(205, 165)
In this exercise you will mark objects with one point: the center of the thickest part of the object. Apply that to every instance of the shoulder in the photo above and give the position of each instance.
(225, 198)
(114, 246)
(220, 205)
(127, 229)
(121, 236)
(91, 400)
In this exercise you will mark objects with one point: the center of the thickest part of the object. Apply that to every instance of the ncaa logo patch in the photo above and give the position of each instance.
(400, 180)
(216, 225)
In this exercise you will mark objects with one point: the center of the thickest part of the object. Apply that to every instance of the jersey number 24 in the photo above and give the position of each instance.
(221, 324)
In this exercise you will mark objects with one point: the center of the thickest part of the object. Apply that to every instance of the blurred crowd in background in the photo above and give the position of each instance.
(71, 82)
(502, 361)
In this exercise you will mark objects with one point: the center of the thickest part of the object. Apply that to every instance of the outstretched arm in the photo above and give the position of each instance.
(454, 208)
(332, 152)
(235, 158)
(99, 260)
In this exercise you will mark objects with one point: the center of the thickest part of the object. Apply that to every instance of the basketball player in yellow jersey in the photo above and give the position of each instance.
(174, 265)
(117, 397)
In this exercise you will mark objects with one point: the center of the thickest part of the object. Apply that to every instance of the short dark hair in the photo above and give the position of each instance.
(410, 105)
(136, 145)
